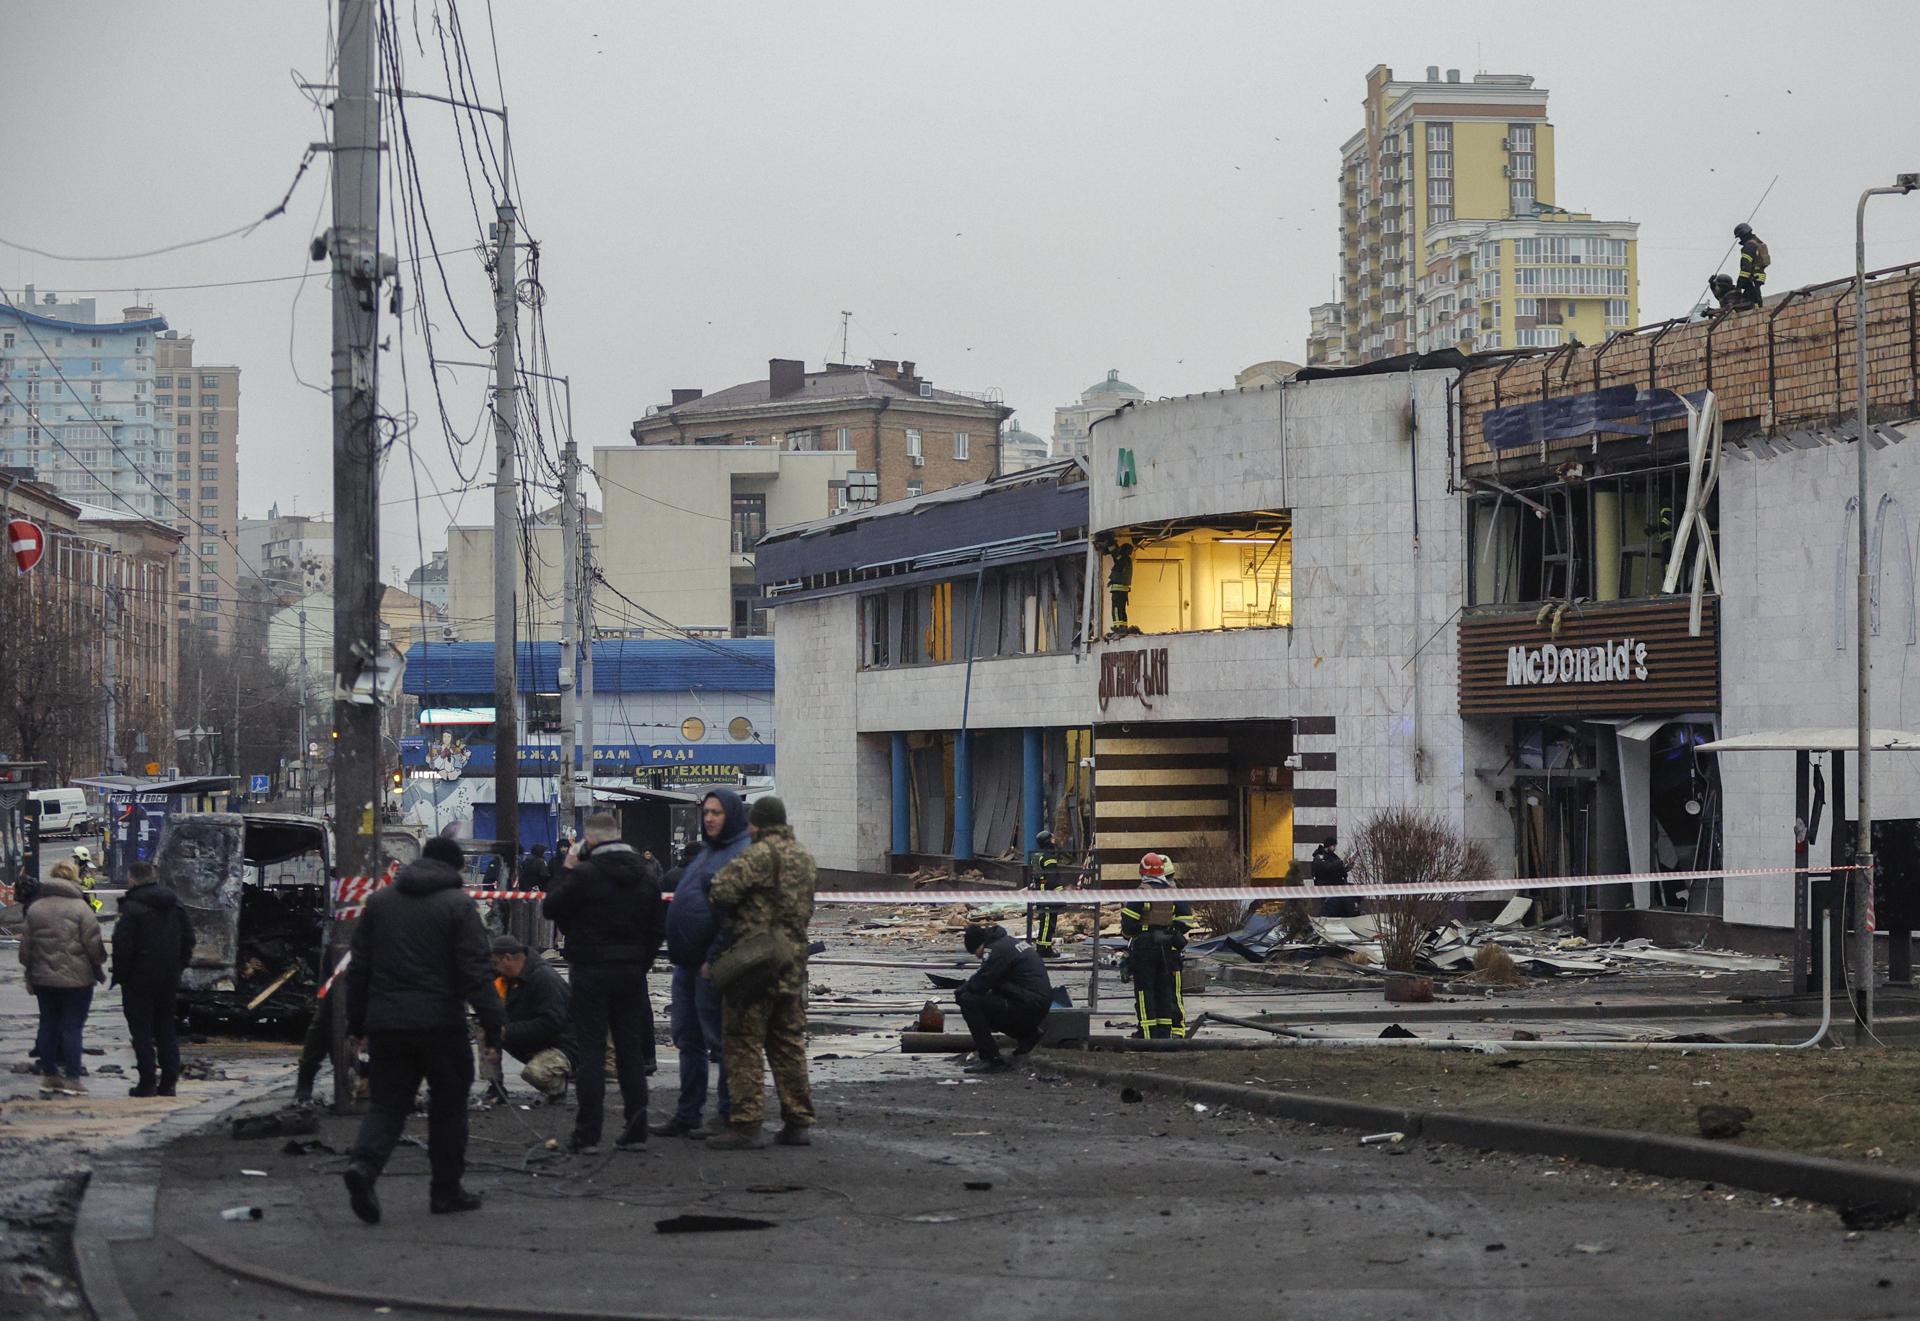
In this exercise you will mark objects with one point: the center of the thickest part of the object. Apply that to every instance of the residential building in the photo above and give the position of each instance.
(906, 437)
(1601, 654)
(1271, 372)
(1549, 279)
(406, 619)
(539, 577)
(684, 521)
(666, 712)
(88, 680)
(289, 553)
(898, 747)
(1020, 449)
(1429, 153)
(1073, 423)
(77, 404)
(429, 581)
(205, 402)
(1327, 335)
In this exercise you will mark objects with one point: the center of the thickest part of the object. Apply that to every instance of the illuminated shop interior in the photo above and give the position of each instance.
(1194, 575)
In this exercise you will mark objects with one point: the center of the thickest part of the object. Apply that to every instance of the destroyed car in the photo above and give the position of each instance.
(254, 887)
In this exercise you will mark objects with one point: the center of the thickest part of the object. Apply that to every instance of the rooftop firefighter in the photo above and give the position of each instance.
(1754, 260)
(1010, 993)
(1157, 928)
(1120, 587)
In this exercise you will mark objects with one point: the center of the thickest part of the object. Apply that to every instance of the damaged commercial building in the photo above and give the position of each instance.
(1647, 573)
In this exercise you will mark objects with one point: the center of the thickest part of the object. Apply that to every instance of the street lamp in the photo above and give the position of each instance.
(1862, 884)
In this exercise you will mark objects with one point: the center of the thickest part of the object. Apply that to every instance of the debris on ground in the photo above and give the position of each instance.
(289, 1123)
(708, 1224)
(1722, 1121)
(199, 1070)
(1872, 1215)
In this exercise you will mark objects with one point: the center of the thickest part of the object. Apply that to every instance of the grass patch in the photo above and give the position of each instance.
(1861, 1105)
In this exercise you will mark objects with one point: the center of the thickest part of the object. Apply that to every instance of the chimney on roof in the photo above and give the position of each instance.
(135, 313)
(1453, 75)
(885, 367)
(907, 376)
(685, 397)
(785, 376)
(1433, 73)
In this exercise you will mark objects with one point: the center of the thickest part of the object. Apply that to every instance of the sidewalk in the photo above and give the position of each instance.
(48, 1147)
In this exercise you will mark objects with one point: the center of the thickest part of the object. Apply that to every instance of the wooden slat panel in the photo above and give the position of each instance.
(1683, 672)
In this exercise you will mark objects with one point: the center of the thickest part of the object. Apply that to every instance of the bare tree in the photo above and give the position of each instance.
(1400, 846)
(51, 702)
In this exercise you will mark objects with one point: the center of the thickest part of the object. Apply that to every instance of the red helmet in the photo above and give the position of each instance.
(1155, 867)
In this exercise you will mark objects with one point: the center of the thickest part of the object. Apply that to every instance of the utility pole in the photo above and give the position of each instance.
(112, 673)
(306, 757)
(358, 271)
(586, 650)
(506, 522)
(569, 620)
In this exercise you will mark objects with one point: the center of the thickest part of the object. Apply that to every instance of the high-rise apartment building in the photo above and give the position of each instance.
(1553, 278)
(77, 403)
(1430, 153)
(203, 400)
(1327, 335)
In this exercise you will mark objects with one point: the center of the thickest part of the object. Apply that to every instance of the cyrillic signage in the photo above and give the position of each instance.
(1141, 675)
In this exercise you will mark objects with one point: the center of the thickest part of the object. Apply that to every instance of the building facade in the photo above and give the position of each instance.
(1327, 335)
(907, 749)
(1073, 423)
(78, 406)
(1540, 282)
(1429, 153)
(89, 653)
(429, 581)
(1021, 449)
(288, 553)
(204, 399)
(539, 586)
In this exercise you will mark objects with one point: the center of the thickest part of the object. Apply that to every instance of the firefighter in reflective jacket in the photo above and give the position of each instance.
(1157, 928)
(1043, 871)
(1754, 260)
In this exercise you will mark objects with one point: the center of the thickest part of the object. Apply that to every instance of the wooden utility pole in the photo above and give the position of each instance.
(569, 618)
(353, 243)
(506, 527)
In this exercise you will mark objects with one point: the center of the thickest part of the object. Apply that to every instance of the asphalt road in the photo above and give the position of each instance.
(1098, 1208)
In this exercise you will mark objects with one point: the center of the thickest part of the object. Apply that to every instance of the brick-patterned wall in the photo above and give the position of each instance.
(1790, 364)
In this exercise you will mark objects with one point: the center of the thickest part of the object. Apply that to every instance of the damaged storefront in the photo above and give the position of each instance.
(1588, 720)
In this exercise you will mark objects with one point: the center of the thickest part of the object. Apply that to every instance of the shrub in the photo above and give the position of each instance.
(1401, 846)
(1202, 864)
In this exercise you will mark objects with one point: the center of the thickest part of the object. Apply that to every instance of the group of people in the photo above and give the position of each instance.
(735, 931)
(65, 956)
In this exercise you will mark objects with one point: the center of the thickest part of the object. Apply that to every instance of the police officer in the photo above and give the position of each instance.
(1043, 869)
(1010, 993)
(1157, 927)
(1754, 260)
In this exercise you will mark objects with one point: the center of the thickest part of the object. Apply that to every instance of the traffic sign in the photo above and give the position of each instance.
(27, 542)
(260, 784)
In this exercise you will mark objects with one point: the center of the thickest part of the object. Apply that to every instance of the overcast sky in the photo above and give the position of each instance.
(1013, 195)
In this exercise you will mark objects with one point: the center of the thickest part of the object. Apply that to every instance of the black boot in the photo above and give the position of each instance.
(452, 1203)
(366, 1203)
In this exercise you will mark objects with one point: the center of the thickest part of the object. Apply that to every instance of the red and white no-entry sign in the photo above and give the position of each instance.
(27, 542)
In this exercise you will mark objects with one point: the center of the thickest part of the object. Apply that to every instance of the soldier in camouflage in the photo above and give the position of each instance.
(767, 889)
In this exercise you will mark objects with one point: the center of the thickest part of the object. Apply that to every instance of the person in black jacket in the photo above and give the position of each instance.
(1010, 993)
(534, 873)
(1329, 868)
(606, 901)
(419, 957)
(539, 1030)
(152, 946)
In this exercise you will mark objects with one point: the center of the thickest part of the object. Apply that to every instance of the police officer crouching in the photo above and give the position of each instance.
(1157, 930)
(1010, 993)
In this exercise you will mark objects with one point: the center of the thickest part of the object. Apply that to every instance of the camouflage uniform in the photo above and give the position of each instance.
(548, 1072)
(769, 888)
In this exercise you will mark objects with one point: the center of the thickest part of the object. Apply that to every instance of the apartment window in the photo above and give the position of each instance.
(209, 438)
(209, 493)
(209, 584)
(207, 604)
(139, 389)
(1439, 164)
(1520, 165)
(749, 520)
(1493, 312)
(1439, 192)
(1521, 197)
(1526, 307)
(209, 401)
(863, 488)
(913, 445)
(6, 340)
(804, 440)
(208, 548)
(1529, 337)
(960, 445)
(210, 474)
(210, 456)
(1617, 314)
(209, 382)
(1520, 137)
(209, 511)
(1439, 137)
(164, 400)
(913, 489)
(843, 440)
(163, 382)
(93, 365)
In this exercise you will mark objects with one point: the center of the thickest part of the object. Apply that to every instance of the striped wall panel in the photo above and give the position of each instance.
(1155, 792)
(1315, 743)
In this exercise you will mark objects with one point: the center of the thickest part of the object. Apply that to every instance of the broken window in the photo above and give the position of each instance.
(1604, 539)
(1023, 610)
(1193, 575)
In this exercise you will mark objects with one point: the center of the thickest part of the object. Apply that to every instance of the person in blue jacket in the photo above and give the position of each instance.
(694, 1013)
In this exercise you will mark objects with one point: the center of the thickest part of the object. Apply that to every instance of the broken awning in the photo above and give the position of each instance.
(1618, 410)
(1815, 738)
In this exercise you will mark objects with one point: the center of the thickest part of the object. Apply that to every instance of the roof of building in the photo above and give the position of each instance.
(1017, 437)
(830, 384)
(1112, 385)
(634, 665)
(154, 323)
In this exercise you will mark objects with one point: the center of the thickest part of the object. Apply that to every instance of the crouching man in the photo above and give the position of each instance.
(1011, 993)
(539, 1030)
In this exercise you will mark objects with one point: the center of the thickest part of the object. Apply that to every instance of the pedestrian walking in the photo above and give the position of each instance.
(1157, 928)
(419, 958)
(764, 899)
(1010, 993)
(695, 1012)
(152, 946)
(65, 957)
(606, 901)
(539, 1027)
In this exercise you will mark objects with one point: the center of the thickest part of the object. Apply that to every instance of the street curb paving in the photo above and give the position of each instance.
(123, 1189)
(1784, 1174)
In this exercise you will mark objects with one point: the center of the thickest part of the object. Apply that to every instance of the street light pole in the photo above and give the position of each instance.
(1862, 882)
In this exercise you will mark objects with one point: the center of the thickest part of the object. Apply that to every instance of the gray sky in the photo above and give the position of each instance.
(1013, 195)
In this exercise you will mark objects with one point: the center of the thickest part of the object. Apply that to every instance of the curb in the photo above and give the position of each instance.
(123, 1189)
(1783, 1174)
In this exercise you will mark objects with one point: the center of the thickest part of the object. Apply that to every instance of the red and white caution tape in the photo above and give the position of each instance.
(334, 976)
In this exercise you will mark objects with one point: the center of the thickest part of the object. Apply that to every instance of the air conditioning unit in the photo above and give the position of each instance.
(919, 460)
(1507, 170)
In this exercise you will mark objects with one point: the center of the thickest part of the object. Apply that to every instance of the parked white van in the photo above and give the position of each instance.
(62, 812)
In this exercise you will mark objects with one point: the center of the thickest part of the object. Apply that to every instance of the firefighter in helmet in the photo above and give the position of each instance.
(1156, 926)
